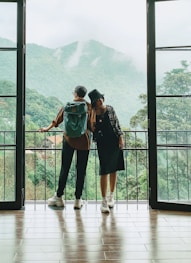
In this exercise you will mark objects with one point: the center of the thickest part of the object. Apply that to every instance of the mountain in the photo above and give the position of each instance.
(55, 72)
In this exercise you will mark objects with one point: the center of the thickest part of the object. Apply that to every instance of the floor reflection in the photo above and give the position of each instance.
(88, 236)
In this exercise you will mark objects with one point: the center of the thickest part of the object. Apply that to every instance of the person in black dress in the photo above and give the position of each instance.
(109, 139)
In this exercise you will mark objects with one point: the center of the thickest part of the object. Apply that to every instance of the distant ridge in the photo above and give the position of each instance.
(55, 72)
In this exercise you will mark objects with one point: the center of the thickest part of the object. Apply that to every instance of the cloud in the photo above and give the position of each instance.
(8, 13)
(115, 23)
(118, 24)
(75, 58)
(173, 23)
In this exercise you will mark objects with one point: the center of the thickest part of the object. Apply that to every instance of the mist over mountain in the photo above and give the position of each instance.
(55, 72)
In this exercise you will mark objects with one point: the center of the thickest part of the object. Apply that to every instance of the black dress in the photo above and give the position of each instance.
(110, 155)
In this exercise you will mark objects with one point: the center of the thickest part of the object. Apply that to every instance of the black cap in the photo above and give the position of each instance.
(95, 95)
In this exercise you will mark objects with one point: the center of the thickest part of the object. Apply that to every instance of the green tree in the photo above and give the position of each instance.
(173, 109)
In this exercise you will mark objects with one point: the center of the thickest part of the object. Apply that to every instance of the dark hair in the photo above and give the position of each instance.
(94, 103)
(95, 95)
(81, 91)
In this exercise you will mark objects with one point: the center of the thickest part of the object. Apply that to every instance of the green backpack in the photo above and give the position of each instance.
(75, 118)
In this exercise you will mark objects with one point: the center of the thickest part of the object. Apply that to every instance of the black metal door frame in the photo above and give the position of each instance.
(20, 109)
(152, 129)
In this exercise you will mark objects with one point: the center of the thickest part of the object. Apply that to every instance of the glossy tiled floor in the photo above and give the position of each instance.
(128, 234)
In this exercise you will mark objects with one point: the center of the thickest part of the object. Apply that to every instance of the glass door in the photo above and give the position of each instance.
(12, 89)
(169, 107)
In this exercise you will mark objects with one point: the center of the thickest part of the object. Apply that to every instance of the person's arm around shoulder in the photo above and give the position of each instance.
(91, 117)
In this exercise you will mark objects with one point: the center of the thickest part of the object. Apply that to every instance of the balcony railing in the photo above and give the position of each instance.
(43, 159)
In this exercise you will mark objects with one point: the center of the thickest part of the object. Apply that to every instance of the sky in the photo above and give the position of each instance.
(120, 24)
(65, 21)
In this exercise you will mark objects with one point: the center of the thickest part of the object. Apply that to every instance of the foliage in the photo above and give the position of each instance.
(140, 118)
(42, 174)
(173, 125)
(42, 169)
(7, 175)
(52, 73)
(173, 115)
(40, 111)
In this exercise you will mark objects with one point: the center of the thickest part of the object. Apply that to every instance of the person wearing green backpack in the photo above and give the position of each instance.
(74, 114)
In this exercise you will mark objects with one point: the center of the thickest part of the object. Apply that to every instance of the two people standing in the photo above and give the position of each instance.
(104, 124)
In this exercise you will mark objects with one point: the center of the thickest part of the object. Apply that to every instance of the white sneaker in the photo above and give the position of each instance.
(56, 201)
(78, 203)
(110, 202)
(104, 207)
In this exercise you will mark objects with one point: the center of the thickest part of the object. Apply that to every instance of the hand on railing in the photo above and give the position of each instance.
(43, 129)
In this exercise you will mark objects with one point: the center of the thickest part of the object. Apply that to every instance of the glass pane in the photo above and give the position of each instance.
(173, 23)
(173, 73)
(7, 174)
(8, 115)
(8, 70)
(8, 28)
(177, 137)
(174, 175)
(173, 114)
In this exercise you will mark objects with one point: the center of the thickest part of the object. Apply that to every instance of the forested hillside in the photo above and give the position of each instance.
(40, 110)
(55, 72)
(173, 119)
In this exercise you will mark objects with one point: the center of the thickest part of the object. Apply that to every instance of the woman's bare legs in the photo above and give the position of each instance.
(103, 185)
(104, 182)
(113, 180)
